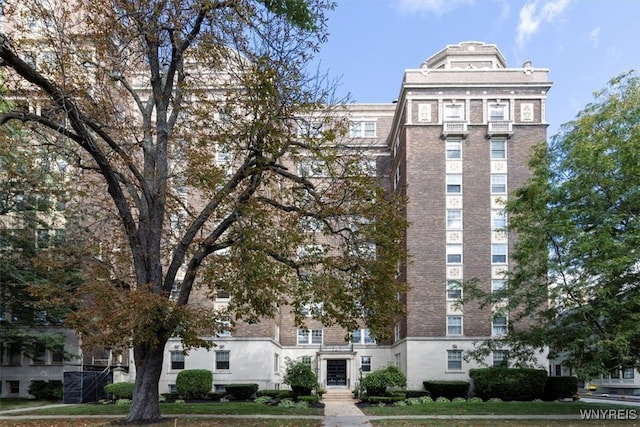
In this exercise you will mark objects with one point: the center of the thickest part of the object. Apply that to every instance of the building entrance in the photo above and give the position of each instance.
(336, 372)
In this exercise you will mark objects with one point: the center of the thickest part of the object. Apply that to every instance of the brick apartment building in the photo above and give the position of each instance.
(455, 143)
(457, 140)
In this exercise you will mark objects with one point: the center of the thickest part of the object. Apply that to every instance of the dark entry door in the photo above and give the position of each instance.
(336, 372)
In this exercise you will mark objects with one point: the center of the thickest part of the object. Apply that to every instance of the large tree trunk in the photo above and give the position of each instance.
(145, 407)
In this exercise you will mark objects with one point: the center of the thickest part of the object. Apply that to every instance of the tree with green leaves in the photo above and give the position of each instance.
(204, 151)
(578, 227)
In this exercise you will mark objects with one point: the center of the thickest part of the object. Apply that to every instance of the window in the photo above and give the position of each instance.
(311, 168)
(222, 360)
(454, 149)
(311, 309)
(454, 219)
(224, 328)
(14, 387)
(454, 360)
(497, 285)
(396, 332)
(498, 219)
(173, 389)
(498, 112)
(453, 112)
(365, 363)
(498, 184)
(628, 373)
(454, 290)
(57, 355)
(177, 360)
(498, 254)
(454, 325)
(362, 336)
(276, 363)
(454, 254)
(498, 149)
(615, 373)
(14, 355)
(499, 358)
(363, 129)
(397, 359)
(499, 325)
(312, 129)
(454, 184)
(306, 360)
(309, 337)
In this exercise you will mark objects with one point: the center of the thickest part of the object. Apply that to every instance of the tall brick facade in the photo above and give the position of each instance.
(456, 144)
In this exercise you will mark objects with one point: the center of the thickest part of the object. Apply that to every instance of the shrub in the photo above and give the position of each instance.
(263, 400)
(442, 399)
(448, 389)
(508, 383)
(241, 391)
(194, 383)
(560, 388)
(308, 399)
(120, 390)
(46, 390)
(416, 393)
(376, 382)
(216, 395)
(385, 399)
(286, 394)
(300, 377)
(287, 403)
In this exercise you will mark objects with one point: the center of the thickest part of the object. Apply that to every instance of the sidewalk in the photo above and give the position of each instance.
(343, 413)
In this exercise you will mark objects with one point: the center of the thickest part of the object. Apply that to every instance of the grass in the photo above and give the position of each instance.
(215, 408)
(488, 408)
(6, 404)
(503, 423)
(173, 422)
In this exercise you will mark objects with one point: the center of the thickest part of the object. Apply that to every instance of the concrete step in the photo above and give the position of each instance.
(339, 394)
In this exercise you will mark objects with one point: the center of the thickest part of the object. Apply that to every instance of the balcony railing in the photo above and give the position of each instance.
(500, 128)
(454, 128)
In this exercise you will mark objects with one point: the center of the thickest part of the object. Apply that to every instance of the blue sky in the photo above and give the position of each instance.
(584, 43)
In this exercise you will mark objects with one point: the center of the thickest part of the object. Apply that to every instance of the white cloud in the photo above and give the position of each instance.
(533, 14)
(438, 7)
(594, 36)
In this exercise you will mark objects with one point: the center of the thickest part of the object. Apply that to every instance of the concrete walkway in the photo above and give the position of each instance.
(343, 413)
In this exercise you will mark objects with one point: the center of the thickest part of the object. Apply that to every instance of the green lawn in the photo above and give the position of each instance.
(173, 422)
(503, 423)
(227, 408)
(6, 404)
(490, 408)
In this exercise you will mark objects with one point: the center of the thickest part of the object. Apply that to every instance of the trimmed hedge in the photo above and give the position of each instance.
(508, 383)
(308, 399)
(215, 395)
(385, 399)
(194, 383)
(560, 388)
(416, 393)
(120, 390)
(448, 389)
(46, 390)
(241, 391)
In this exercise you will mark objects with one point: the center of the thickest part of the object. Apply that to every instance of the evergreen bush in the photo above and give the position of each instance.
(241, 391)
(508, 383)
(46, 390)
(120, 390)
(194, 383)
(560, 388)
(448, 389)
(376, 382)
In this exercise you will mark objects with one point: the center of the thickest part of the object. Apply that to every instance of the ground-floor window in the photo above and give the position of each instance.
(365, 363)
(177, 360)
(223, 360)
(14, 387)
(454, 360)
